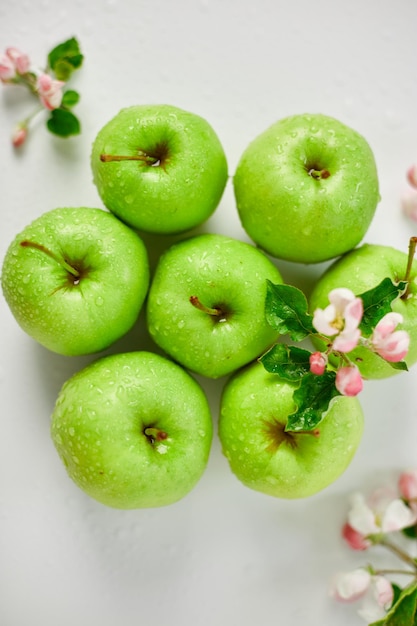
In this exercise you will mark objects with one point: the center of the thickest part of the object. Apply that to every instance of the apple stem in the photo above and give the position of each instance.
(215, 311)
(150, 160)
(38, 246)
(155, 434)
(317, 174)
(411, 252)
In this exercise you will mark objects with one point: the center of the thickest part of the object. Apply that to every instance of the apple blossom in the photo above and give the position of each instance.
(7, 68)
(349, 381)
(412, 175)
(355, 539)
(409, 204)
(20, 60)
(49, 91)
(389, 343)
(19, 135)
(382, 513)
(407, 484)
(350, 586)
(318, 362)
(340, 318)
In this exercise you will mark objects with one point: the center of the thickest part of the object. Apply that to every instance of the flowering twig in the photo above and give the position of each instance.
(373, 522)
(47, 86)
(349, 322)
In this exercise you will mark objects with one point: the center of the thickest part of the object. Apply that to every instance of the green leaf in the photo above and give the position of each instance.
(400, 365)
(289, 362)
(63, 123)
(403, 611)
(312, 399)
(377, 303)
(286, 310)
(70, 98)
(410, 532)
(65, 58)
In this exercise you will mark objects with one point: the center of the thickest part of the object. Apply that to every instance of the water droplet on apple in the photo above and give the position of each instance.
(99, 301)
(71, 432)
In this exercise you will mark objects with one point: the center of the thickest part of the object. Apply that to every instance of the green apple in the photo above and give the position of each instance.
(133, 430)
(75, 279)
(307, 188)
(159, 168)
(206, 303)
(254, 410)
(360, 270)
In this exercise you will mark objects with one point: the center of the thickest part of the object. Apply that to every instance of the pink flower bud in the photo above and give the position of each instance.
(19, 136)
(7, 68)
(407, 484)
(391, 346)
(412, 175)
(20, 60)
(50, 91)
(349, 381)
(318, 362)
(350, 586)
(409, 204)
(355, 539)
(383, 590)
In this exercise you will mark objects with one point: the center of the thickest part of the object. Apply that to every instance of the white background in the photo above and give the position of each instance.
(224, 555)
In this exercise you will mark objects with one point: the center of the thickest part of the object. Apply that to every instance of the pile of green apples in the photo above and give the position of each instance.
(134, 429)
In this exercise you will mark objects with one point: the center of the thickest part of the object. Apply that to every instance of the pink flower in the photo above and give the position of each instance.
(20, 60)
(412, 175)
(349, 380)
(382, 513)
(50, 91)
(407, 484)
(318, 362)
(340, 318)
(389, 343)
(375, 592)
(7, 68)
(19, 136)
(409, 204)
(351, 586)
(355, 539)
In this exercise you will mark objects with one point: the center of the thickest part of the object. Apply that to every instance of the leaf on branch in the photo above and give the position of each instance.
(63, 123)
(65, 58)
(286, 310)
(312, 399)
(377, 303)
(289, 362)
(70, 98)
(404, 611)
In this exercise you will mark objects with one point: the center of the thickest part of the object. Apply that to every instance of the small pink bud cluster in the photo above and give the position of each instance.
(13, 63)
(15, 68)
(339, 322)
(371, 521)
(409, 197)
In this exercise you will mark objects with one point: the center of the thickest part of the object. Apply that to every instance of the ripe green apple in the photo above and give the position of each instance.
(133, 430)
(75, 279)
(206, 303)
(306, 189)
(254, 410)
(159, 168)
(360, 270)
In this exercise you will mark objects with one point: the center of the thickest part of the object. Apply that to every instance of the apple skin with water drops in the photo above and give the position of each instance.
(225, 275)
(172, 172)
(74, 315)
(254, 410)
(307, 188)
(362, 269)
(133, 430)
